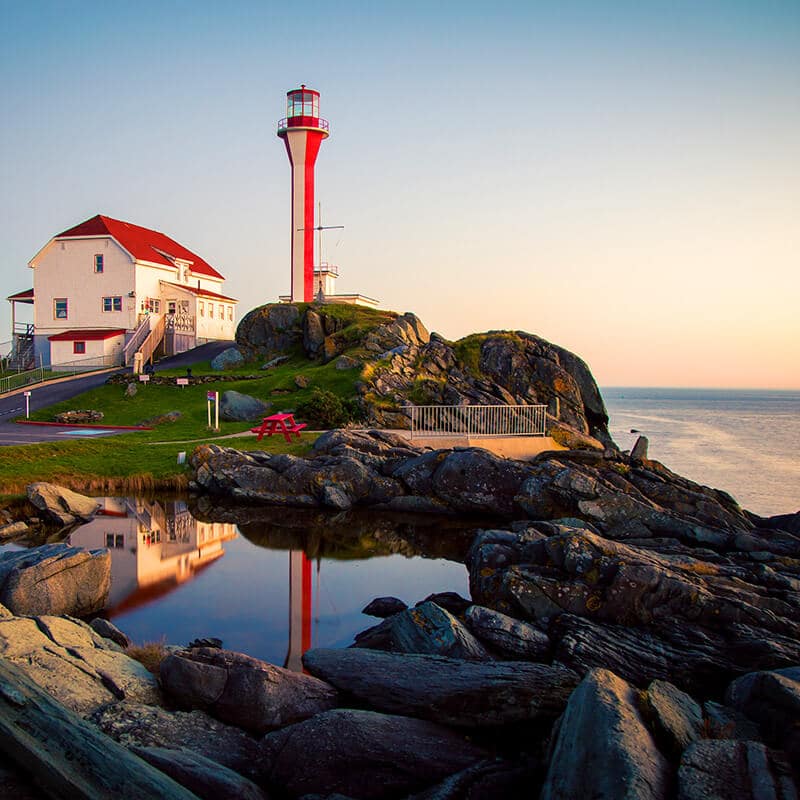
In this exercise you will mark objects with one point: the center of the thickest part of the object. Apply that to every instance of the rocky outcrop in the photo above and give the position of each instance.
(622, 498)
(55, 579)
(644, 610)
(363, 754)
(405, 364)
(241, 690)
(60, 505)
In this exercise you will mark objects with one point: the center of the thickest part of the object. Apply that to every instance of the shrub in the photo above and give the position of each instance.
(325, 409)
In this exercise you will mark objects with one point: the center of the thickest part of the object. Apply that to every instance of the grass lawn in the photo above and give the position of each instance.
(276, 386)
(132, 461)
(149, 458)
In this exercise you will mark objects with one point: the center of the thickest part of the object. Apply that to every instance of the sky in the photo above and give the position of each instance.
(620, 178)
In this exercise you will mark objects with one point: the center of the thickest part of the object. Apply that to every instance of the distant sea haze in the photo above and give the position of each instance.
(745, 442)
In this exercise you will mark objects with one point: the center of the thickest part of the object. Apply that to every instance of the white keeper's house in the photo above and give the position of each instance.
(117, 293)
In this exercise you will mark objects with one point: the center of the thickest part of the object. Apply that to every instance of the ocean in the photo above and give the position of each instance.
(746, 442)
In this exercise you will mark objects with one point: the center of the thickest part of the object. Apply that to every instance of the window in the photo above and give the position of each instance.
(117, 541)
(112, 303)
(79, 348)
(202, 307)
(230, 313)
(221, 309)
(211, 311)
(98, 263)
(60, 308)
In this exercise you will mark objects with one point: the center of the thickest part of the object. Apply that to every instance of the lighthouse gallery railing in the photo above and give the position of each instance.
(500, 420)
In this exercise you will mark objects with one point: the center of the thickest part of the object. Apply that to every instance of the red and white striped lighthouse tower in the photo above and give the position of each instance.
(302, 132)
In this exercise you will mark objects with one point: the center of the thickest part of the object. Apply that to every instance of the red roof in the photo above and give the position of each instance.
(200, 292)
(141, 243)
(85, 335)
(26, 295)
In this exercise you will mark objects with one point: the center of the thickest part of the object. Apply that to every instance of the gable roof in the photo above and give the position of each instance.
(200, 292)
(141, 243)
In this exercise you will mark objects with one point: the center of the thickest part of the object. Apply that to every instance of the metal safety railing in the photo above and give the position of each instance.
(500, 420)
(9, 383)
(86, 364)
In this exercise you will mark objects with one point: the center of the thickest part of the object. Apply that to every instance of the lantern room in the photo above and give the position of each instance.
(302, 111)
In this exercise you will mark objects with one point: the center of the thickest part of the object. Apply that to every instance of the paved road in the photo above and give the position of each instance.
(43, 396)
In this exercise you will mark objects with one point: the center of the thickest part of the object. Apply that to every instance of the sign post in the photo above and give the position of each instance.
(27, 405)
(213, 397)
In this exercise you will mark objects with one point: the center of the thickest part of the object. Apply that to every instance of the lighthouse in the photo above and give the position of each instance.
(302, 131)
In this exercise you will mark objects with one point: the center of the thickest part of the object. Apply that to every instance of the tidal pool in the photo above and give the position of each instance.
(269, 582)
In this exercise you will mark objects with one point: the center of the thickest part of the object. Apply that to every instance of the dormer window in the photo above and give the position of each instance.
(98, 262)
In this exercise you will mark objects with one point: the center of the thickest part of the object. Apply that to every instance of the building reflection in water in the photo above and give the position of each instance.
(158, 545)
(155, 546)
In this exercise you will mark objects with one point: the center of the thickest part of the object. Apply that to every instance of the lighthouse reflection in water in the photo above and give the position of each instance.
(271, 586)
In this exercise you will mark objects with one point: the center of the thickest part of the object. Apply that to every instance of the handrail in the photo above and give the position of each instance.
(478, 421)
(148, 346)
(139, 335)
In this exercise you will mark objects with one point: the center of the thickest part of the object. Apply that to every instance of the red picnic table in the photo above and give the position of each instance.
(279, 423)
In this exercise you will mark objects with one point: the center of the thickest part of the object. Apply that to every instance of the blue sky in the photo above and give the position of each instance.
(620, 178)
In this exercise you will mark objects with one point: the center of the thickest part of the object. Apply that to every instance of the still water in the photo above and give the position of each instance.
(268, 582)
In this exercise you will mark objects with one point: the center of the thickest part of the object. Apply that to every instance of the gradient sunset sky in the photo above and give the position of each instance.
(620, 178)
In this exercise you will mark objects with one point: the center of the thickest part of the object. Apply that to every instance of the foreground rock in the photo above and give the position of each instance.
(241, 690)
(61, 505)
(772, 700)
(731, 770)
(507, 636)
(427, 629)
(66, 756)
(136, 724)
(603, 749)
(363, 754)
(55, 579)
(79, 668)
(449, 691)
(647, 609)
(206, 778)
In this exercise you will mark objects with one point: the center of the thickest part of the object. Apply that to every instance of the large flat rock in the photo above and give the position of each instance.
(450, 691)
(363, 754)
(79, 668)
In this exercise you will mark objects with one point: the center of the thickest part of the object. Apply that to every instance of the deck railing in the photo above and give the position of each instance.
(499, 420)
